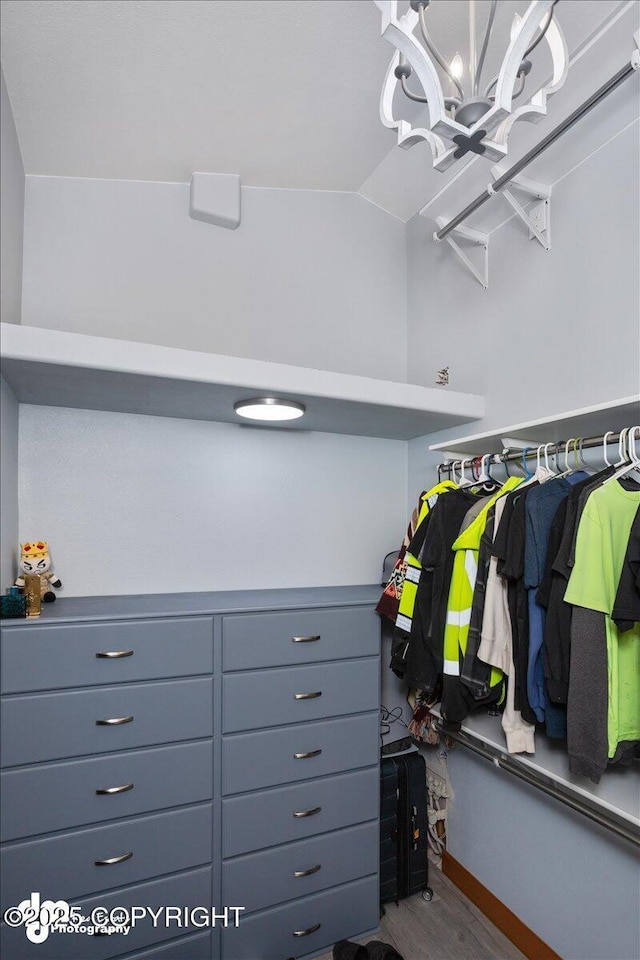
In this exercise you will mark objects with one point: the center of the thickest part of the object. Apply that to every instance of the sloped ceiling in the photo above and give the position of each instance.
(283, 92)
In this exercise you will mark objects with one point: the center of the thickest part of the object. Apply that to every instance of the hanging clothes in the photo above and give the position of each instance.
(413, 567)
(527, 599)
(496, 649)
(540, 509)
(601, 545)
(456, 698)
(390, 600)
(626, 607)
(425, 648)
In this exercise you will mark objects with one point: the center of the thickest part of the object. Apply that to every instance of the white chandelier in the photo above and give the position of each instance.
(470, 117)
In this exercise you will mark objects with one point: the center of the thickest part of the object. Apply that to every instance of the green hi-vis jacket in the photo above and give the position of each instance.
(463, 581)
(414, 567)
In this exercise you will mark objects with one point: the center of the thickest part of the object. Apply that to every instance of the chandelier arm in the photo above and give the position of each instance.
(532, 46)
(542, 32)
(523, 79)
(489, 87)
(485, 45)
(449, 102)
(412, 96)
(436, 54)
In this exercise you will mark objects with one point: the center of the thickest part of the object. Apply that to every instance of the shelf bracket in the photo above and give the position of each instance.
(479, 269)
(537, 217)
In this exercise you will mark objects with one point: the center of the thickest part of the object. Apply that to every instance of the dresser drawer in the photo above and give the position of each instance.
(66, 864)
(266, 758)
(294, 870)
(259, 820)
(57, 725)
(60, 796)
(266, 698)
(258, 640)
(184, 948)
(341, 913)
(187, 890)
(44, 657)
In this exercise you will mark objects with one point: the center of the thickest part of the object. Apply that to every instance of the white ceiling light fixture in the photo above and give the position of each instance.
(473, 115)
(269, 409)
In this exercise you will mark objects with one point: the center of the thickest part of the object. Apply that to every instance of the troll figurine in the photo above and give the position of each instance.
(36, 559)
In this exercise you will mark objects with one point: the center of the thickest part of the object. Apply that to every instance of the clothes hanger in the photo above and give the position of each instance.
(464, 482)
(632, 463)
(609, 433)
(567, 469)
(527, 473)
(546, 459)
(583, 465)
(488, 482)
(542, 473)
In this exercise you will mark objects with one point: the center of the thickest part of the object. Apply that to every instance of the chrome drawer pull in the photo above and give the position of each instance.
(108, 791)
(305, 933)
(114, 654)
(113, 722)
(307, 873)
(305, 756)
(307, 813)
(307, 696)
(310, 639)
(121, 859)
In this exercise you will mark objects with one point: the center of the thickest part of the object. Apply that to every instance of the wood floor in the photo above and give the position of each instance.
(450, 927)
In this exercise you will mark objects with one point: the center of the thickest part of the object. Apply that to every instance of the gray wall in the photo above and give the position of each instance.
(12, 212)
(555, 330)
(135, 504)
(311, 278)
(8, 485)
(572, 882)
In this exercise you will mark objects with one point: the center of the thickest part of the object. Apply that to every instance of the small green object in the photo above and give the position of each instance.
(13, 605)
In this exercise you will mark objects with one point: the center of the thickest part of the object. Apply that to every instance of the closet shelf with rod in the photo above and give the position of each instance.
(582, 422)
(571, 447)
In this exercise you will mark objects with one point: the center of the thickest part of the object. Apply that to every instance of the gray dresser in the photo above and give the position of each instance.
(194, 750)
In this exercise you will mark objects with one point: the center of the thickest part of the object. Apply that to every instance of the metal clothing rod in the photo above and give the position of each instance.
(581, 443)
(620, 826)
(557, 132)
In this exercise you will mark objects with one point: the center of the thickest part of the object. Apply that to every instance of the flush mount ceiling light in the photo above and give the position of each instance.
(465, 113)
(269, 408)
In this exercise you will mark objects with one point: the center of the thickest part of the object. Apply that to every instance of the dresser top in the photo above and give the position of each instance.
(130, 607)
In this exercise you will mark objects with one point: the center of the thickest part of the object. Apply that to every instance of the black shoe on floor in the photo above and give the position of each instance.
(377, 950)
(347, 950)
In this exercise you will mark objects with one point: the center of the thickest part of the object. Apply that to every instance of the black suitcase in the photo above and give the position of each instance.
(403, 828)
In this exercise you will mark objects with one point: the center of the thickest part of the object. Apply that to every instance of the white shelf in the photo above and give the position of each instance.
(584, 422)
(54, 368)
(618, 791)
